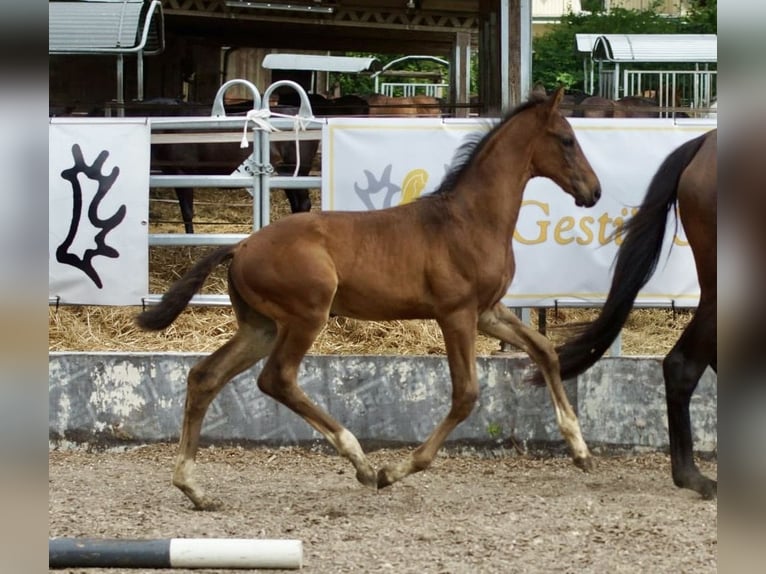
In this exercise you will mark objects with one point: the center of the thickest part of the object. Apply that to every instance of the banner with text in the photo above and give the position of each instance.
(563, 252)
(98, 211)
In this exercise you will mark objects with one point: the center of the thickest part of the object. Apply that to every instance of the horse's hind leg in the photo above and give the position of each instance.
(502, 323)
(250, 343)
(682, 368)
(279, 380)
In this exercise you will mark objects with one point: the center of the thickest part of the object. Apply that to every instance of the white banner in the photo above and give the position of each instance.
(562, 252)
(98, 210)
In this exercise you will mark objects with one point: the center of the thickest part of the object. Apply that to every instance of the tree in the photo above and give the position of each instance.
(702, 16)
(554, 56)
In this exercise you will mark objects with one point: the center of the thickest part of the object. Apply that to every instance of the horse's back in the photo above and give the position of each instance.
(636, 107)
(597, 107)
(342, 263)
(418, 106)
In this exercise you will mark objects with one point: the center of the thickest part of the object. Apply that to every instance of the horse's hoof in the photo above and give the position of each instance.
(368, 478)
(383, 479)
(207, 504)
(584, 463)
(708, 490)
(694, 480)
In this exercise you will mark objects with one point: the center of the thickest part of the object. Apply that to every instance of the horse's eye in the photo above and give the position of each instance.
(567, 141)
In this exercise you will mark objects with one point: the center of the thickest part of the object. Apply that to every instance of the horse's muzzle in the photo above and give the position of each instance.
(588, 198)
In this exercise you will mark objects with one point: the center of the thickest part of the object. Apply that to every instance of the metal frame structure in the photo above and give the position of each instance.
(608, 73)
(256, 172)
(108, 29)
(433, 89)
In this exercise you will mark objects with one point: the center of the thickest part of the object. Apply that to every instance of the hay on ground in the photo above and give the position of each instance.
(204, 329)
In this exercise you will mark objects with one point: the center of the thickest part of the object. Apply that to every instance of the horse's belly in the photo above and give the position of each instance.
(376, 305)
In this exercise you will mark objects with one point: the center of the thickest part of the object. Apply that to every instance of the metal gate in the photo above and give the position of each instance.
(255, 173)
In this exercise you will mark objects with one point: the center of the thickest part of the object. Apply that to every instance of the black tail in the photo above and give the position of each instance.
(180, 293)
(635, 264)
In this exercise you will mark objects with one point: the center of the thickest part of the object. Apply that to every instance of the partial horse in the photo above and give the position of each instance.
(414, 106)
(447, 256)
(688, 178)
(627, 107)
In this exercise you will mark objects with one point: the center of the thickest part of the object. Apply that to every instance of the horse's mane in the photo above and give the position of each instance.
(474, 143)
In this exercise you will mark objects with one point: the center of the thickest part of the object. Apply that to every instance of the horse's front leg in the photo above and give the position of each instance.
(502, 323)
(460, 339)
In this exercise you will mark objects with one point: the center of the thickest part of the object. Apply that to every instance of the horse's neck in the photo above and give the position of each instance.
(493, 185)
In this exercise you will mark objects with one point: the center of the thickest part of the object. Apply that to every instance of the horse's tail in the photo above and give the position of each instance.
(180, 293)
(635, 264)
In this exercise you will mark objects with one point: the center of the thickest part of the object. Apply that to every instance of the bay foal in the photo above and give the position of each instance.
(446, 257)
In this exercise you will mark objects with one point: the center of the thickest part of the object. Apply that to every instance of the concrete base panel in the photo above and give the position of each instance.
(109, 399)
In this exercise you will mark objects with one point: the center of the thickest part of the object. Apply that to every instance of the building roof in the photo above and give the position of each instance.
(655, 48)
(105, 27)
(346, 64)
(584, 42)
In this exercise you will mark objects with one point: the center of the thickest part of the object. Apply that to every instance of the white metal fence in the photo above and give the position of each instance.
(673, 89)
(255, 174)
(407, 90)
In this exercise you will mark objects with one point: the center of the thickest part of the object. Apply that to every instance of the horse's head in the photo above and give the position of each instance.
(556, 154)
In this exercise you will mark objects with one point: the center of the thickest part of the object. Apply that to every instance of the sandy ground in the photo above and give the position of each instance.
(468, 513)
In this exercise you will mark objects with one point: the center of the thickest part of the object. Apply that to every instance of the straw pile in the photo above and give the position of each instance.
(204, 329)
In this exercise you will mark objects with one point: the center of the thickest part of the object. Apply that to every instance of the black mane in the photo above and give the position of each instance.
(473, 144)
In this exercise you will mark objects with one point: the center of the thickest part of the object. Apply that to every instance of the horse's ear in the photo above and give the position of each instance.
(557, 96)
(537, 92)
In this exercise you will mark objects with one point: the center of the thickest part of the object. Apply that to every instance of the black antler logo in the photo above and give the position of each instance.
(105, 183)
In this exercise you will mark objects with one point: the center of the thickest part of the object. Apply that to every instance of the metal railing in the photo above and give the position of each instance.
(407, 90)
(674, 90)
(255, 173)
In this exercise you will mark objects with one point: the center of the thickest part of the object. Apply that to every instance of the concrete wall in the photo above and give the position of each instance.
(108, 399)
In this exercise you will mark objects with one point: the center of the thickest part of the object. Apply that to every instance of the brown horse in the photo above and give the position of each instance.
(417, 106)
(687, 177)
(288, 278)
(627, 107)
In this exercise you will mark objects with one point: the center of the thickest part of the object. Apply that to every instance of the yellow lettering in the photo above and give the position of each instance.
(680, 242)
(541, 223)
(618, 223)
(603, 233)
(565, 224)
(676, 239)
(582, 231)
(585, 224)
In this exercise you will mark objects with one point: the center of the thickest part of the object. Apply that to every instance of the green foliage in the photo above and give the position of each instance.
(565, 79)
(702, 16)
(555, 58)
(356, 83)
(494, 430)
(592, 5)
(363, 84)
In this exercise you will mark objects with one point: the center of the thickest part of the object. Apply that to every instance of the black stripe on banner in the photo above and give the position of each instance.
(103, 553)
